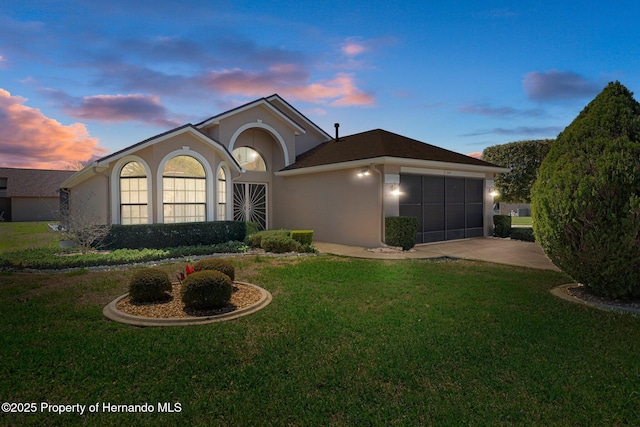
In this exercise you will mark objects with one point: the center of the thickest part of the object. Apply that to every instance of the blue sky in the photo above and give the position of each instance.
(80, 79)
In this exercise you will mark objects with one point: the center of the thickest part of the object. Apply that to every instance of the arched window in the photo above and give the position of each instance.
(222, 195)
(249, 159)
(133, 194)
(184, 194)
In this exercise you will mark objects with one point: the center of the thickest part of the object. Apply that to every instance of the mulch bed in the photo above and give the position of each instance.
(580, 292)
(173, 308)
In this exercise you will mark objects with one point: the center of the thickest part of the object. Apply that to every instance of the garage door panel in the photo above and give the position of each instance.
(433, 218)
(473, 191)
(455, 216)
(454, 192)
(433, 189)
(455, 234)
(474, 232)
(414, 211)
(434, 236)
(474, 216)
(412, 189)
(447, 208)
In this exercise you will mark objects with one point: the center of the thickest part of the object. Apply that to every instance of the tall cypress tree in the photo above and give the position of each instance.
(586, 199)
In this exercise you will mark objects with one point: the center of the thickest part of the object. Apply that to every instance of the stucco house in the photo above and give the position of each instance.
(266, 162)
(30, 194)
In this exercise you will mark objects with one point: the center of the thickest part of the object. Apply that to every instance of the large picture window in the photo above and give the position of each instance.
(133, 194)
(184, 195)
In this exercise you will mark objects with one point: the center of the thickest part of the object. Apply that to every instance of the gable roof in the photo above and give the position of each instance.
(377, 144)
(277, 99)
(262, 101)
(34, 182)
(89, 170)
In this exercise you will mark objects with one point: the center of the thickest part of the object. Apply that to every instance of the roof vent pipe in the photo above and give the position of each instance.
(336, 125)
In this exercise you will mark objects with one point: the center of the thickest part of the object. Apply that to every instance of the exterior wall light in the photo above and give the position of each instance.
(364, 172)
(493, 192)
(395, 190)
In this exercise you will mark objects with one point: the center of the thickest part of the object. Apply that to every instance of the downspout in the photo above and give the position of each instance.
(380, 204)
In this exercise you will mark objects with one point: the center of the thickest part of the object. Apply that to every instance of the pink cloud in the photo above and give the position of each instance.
(30, 139)
(353, 48)
(290, 81)
(475, 154)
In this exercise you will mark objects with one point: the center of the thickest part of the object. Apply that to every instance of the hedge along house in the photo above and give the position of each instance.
(266, 162)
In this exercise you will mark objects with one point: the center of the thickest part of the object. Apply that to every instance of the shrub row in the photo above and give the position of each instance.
(523, 233)
(502, 228)
(49, 258)
(282, 241)
(158, 236)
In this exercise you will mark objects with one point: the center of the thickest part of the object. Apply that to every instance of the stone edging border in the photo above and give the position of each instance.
(560, 292)
(111, 312)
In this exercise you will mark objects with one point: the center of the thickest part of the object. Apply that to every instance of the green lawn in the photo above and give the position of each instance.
(521, 220)
(344, 342)
(24, 235)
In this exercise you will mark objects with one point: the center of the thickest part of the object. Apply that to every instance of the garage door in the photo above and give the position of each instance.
(447, 208)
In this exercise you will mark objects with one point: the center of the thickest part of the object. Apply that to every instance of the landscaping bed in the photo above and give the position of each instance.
(244, 296)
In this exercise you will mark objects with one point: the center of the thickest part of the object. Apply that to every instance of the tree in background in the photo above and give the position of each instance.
(586, 200)
(524, 159)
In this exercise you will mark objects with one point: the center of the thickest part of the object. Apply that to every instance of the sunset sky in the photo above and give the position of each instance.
(81, 79)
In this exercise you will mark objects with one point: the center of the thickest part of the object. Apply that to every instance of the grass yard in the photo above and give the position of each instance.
(521, 220)
(344, 342)
(25, 235)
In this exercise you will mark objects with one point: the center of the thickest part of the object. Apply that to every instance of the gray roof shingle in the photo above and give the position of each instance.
(34, 182)
(378, 143)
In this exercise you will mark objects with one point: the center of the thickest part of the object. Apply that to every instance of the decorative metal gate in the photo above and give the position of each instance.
(250, 203)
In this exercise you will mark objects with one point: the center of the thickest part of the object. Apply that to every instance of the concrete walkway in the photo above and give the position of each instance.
(500, 251)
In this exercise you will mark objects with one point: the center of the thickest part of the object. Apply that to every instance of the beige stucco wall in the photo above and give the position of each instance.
(95, 194)
(305, 141)
(337, 205)
(89, 201)
(260, 118)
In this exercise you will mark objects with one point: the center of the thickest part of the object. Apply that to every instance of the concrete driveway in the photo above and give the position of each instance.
(500, 251)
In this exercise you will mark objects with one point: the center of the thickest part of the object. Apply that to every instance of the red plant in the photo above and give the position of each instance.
(187, 271)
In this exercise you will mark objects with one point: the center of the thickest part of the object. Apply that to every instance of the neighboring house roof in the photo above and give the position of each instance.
(377, 144)
(34, 182)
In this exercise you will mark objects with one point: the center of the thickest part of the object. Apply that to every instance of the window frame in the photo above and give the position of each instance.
(209, 183)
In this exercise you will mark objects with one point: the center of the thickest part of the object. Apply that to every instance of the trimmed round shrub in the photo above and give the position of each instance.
(149, 284)
(586, 200)
(218, 264)
(280, 244)
(501, 225)
(401, 231)
(206, 289)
